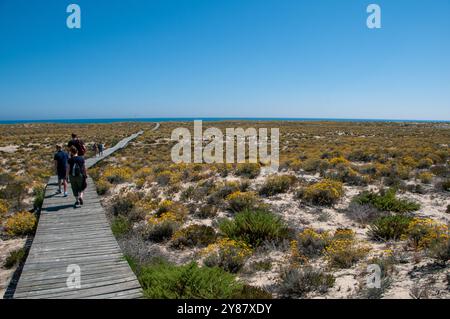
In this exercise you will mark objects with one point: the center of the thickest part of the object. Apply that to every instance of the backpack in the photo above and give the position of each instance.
(76, 170)
(80, 147)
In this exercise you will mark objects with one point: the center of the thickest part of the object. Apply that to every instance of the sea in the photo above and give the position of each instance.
(210, 119)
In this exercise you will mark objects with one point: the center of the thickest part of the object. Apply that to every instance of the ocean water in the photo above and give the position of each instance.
(209, 119)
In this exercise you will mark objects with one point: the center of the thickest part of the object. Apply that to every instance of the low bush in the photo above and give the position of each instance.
(123, 204)
(346, 175)
(386, 201)
(222, 191)
(295, 282)
(228, 254)
(194, 236)
(39, 195)
(206, 211)
(254, 227)
(103, 186)
(162, 230)
(177, 210)
(117, 175)
(167, 281)
(120, 225)
(165, 178)
(240, 201)
(14, 258)
(248, 170)
(440, 250)
(315, 165)
(251, 292)
(423, 233)
(425, 163)
(343, 250)
(440, 170)
(326, 192)
(363, 214)
(389, 227)
(4, 208)
(20, 224)
(276, 185)
(444, 185)
(311, 243)
(425, 177)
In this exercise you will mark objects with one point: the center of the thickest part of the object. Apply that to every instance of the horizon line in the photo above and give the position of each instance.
(176, 119)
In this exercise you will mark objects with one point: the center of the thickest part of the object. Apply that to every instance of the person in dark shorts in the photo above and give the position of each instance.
(101, 147)
(77, 174)
(61, 162)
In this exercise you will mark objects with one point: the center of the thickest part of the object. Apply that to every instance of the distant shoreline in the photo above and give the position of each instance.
(210, 119)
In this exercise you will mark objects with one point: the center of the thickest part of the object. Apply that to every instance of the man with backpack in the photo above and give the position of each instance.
(61, 162)
(78, 175)
(79, 144)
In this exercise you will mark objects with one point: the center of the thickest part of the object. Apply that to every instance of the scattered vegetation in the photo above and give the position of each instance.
(386, 200)
(276, 185)
(14, 258)
(295, 282)
(255, 227)
(194, 236)
(389, 227)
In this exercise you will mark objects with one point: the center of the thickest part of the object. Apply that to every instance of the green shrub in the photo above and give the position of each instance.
(14, 258)
(255, 227)
(227, 254)
(445, 185)
(120, 225)
(20, 224)
(162, 231)
(389, 227)
(251, 292)
(207, 211)
(39, 195)
(167, 281)
(298, 282)
(194, 236)
(326, 192)
(4, 208)
(276, 185)
(311, 243)
(117, 175)
(344, 250)
(123, 204)
(248, 170)
(240, 201)
(103, 186)
(315, 165)
(386, 201)
(440, 250)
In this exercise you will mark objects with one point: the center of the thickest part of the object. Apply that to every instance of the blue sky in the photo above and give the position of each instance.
(225, 58)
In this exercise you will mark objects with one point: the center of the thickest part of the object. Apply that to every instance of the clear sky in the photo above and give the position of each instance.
(225, 58)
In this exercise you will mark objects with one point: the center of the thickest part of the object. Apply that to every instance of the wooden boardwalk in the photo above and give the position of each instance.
(67, 237)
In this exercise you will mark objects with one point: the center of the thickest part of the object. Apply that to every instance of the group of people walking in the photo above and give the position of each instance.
(71, 167)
